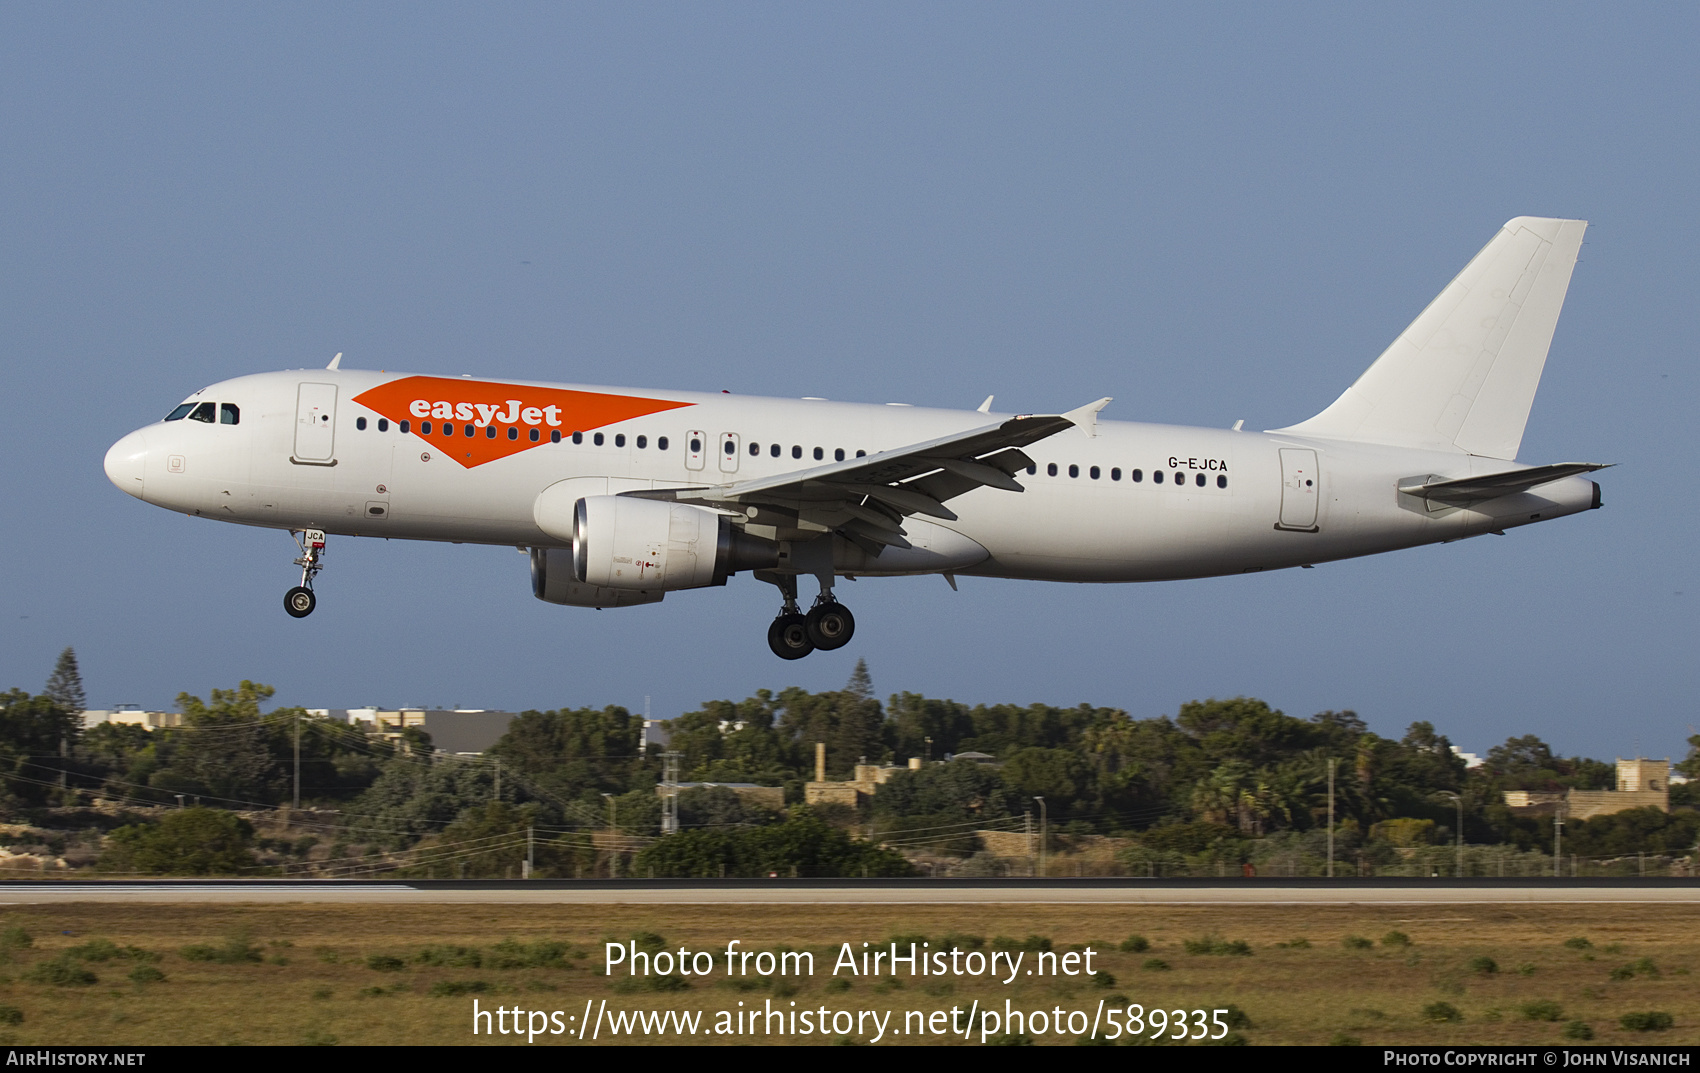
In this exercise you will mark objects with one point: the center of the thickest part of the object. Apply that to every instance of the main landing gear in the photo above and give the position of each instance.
(793, 635)
(300, 601)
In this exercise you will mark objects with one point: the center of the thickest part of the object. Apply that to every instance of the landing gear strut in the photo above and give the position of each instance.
(793, 635)
(300, 601)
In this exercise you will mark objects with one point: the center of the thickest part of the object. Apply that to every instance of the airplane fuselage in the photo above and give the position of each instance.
(347, 452)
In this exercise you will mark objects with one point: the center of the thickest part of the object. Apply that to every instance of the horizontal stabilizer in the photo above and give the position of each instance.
(1493, 485)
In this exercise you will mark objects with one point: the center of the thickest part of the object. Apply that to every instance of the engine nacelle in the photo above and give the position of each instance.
(620, 542)
(552, 581)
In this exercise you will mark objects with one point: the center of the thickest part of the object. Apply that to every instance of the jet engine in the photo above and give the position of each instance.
(621, 542)
(552, 581)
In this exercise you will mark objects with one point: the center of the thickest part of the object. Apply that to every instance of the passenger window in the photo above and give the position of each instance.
(1156, 476)
(731, 447)
(404, 427)
(661, 443)
(489, 432)
(597, 439)
(773, 449)
(534, 436)
(181, 412)
(861, 454)
(1032, 469)
(838, 455)
(642, 442)
(619, 439)
(513, 433)
(819, 454)
(1093, 473)
(1074, 471)
(383, 424)
(696, 445)
(555, 435)
(1222, 482)
(796, 451)
(470, 430)
(1136, 476)
(228, 414)
(448, 429)
(1200, 480)
(1051, 470)
(424, 428)
(755, 449)
(204, 412)
(359, 423)
(1115, 473)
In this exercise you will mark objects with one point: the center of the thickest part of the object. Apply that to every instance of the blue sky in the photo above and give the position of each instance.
(1210, 213)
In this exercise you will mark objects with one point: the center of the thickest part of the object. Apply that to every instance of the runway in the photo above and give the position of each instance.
(1268, 892)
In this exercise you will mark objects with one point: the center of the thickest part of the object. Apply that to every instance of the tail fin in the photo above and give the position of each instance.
(1463, 376)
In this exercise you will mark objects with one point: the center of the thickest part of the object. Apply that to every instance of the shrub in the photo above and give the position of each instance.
(384, 963)
(235, 950)
(61, 972)
(1356, 942)
(1543, 1010)
(1442, 1013)
(1578, 1030)
(11, 1015)
(1623, 972)
(1340, 1039)
(1577, 943)
(1103, 980)
(187, 842)
(1155, 965)
(146, 974)
(1395, 938)
(1216, 945)
(1647, 1021)
(1135, 944)
(1484, 965)
(450, 988)
(1234, 1017)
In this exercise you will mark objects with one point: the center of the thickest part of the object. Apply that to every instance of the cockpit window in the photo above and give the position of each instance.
(181, 412)
(206, 411)
(228, 414)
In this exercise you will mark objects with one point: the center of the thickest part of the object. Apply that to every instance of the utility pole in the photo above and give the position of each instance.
(530, 850)
(613, 838)
(1331, 762)
(1459, 800)
(1027, 829)
(1558, 842)
(1044, 832)
(670, 793)
(498, 778)
(296, 805)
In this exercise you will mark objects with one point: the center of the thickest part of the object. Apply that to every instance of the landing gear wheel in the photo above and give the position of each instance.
(299, 602)
(831, 626)
(789, 637)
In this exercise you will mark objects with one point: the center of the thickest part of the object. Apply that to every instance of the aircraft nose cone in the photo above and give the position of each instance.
(126, 461)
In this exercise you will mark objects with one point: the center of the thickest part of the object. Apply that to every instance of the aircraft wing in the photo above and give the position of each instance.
(1493, 485)
(866, 499)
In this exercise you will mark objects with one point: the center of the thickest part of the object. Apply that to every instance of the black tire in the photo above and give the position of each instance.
(299, 602)
(831, 626)
(789, 637)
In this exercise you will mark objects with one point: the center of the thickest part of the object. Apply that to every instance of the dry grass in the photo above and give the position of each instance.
(314, 983)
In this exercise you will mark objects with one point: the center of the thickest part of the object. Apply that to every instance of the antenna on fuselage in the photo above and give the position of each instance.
(336, 361)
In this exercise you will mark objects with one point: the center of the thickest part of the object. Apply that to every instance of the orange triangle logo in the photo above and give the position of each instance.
(479, 421)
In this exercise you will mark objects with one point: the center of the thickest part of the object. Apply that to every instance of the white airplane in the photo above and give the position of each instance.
(621, 496)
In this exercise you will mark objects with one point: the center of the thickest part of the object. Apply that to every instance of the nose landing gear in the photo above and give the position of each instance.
(300, 601)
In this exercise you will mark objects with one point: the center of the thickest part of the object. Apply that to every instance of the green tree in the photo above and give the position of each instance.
(186, 842)
(65, 685)
(804, 845)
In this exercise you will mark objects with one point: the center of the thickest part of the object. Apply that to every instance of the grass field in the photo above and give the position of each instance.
(369, 975)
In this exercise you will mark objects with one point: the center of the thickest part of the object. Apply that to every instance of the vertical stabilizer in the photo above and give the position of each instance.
(1463, 376)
